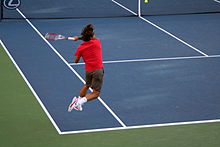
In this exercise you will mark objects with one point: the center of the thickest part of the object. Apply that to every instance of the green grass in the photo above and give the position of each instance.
(23, 123)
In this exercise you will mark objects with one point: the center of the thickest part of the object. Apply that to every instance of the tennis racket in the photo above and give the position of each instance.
(54, 36)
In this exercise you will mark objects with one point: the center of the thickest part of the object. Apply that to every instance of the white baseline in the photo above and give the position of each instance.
(145, 126)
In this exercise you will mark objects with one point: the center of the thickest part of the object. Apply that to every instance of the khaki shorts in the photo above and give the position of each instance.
(94, 79)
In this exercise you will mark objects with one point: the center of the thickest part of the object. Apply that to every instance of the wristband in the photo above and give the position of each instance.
(70, 38)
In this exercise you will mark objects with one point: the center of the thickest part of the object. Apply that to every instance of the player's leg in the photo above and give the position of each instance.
(77, 102)
(85, 87)
(93, 95)
(93, 78)
(83, 91)
(96, 84)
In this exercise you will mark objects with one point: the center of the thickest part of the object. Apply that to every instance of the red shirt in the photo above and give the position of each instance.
(91, 52)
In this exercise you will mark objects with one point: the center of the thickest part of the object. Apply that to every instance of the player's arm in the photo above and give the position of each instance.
(76, 59)
(75, 38)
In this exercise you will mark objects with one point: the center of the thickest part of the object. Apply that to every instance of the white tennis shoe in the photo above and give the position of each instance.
(74, 105)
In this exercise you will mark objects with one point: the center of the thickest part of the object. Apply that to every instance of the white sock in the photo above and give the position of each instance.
(81, 101)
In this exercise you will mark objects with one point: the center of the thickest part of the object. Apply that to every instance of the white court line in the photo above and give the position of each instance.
(73, 70)
(124, 7)
(163, 30)
(31, 88)
(144, 126)
(217, 1)
(152, 59)
(139, 8)
(174, 36)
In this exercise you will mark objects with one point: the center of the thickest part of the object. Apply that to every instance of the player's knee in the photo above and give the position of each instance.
(86, 86)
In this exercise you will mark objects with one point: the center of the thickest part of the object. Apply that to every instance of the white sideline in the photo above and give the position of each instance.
(31, 88)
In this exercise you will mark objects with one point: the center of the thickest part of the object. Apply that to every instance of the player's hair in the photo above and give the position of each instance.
(87, 32)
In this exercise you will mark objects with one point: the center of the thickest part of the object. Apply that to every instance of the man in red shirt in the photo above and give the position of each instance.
(91, 52)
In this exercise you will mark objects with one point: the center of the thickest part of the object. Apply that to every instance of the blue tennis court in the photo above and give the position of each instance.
(159, 70)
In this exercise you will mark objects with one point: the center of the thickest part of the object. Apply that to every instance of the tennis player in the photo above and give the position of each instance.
(91, 52)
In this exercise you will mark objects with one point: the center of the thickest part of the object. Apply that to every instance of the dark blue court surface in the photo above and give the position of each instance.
(201, 31)
(163, 80)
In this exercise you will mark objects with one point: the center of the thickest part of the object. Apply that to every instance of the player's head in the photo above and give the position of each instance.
(88, 32)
